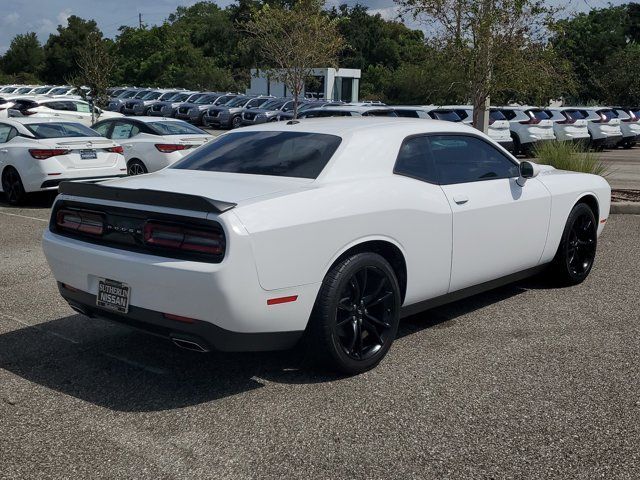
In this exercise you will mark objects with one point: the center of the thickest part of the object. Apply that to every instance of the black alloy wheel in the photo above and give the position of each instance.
(356, 315)
(12, 186)
(577, 251)
(236, 122)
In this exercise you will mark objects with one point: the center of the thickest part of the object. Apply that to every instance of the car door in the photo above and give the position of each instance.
(82, 112)
(7, 153)
(499, 228)
(123, 132)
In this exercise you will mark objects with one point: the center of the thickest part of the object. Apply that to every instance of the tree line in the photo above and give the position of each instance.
(513, 50)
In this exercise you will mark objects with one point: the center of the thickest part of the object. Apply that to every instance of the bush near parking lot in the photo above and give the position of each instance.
(570, 156)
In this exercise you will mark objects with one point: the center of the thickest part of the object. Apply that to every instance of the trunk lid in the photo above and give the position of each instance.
(82, 151)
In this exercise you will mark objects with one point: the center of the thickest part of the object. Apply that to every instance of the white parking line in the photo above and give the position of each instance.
(24, 216)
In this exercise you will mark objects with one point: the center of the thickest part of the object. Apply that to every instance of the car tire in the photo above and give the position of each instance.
(576, 253)
(12, 187)
(236, 122)
(136, 167)
(356, 315)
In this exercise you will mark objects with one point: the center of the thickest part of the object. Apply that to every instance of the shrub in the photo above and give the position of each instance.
(570, 156)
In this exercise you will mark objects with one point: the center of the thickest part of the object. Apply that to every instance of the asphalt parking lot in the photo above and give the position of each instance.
(520, 382)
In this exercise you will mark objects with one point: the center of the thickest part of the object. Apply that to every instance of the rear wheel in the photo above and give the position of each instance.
(356, 315)
(12, 187)
(577, 250)
(136, 167)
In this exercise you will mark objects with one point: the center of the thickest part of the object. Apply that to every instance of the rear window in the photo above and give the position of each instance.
(380, 113)
(448, 115)
(608, 114)
(24, 104)
(496, 115)
(575, 114)
(60, 130)
(539, 114)
(407, 113)
(282, 154)
(175, 128)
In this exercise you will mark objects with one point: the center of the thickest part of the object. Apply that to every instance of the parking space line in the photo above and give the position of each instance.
(24, 216)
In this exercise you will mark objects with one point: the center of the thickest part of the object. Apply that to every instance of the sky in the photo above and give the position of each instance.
(44, 16)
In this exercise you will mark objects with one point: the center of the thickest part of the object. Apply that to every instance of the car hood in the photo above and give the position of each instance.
(227, 187)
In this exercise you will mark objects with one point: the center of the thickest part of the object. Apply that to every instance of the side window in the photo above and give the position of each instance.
(5, 131)
(287, 106)
(510, 114)
(121, 131)
(415, 160)
(103, 128)
(81, 107)
(462, 159)
(12, 133)
(408, 113)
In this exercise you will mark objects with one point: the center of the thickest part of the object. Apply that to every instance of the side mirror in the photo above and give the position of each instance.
(527, 170)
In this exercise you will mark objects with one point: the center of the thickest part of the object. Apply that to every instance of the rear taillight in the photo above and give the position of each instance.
(43, 154)
(183, 238)
(171, 147)
(91, 223)
(116, 149)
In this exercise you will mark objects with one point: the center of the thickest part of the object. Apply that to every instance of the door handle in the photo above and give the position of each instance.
(460, 199)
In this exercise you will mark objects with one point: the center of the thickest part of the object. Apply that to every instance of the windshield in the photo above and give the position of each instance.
(42, 90)
(168, 95)
(23, 90)
(117, 92)
(128, 94)
(60, 130)
(9, 90)
(151, 96)
(238, 101)
(223, 100)
(59, 91)
(273, 104)
(180, 97)
(142, 94)
(206, 99)
(282, 154)
(194, 97)
(175, 128)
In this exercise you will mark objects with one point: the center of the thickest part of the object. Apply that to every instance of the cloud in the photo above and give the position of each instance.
(11, 19)
(63, 16)
(388, 13)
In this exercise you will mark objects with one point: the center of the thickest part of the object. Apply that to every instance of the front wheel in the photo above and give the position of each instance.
(236, 122)
(577, 250)
(356, 315)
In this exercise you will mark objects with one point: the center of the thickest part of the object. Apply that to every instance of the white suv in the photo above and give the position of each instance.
(528, 125)
(604, 127)
(629, 125)
(570, 125)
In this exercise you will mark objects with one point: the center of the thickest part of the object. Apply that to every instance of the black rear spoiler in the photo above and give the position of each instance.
(158, 198)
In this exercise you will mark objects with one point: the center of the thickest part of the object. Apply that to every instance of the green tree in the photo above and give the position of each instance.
(293, 41)
(25, 55)
(622, 84)
(62, 48)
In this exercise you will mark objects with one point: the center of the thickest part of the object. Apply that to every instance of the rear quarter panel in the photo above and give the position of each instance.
(567, 188)
(297, 237)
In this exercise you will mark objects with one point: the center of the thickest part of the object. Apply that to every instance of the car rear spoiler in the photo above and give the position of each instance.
(156, 198)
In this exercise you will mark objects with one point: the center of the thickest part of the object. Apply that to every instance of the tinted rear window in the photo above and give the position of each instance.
(175, 128)
(282, 154)
(539, 114)
(609, 114)
(496, 115)
(380, 113)
(448, 115)
(60, 130)
(575, 114)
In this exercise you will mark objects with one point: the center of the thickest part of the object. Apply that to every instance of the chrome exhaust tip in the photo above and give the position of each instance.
(192, 345)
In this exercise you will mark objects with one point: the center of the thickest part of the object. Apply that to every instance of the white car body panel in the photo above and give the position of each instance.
(284, 234)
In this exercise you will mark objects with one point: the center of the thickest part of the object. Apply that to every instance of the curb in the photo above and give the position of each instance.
(628, 208)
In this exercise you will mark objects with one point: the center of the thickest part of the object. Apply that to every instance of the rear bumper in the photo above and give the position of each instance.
(205, 334)
(606, 142)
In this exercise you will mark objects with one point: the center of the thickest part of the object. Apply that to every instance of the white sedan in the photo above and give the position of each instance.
(59, 108)
(152, 143)
(37, 154)
(329, 230)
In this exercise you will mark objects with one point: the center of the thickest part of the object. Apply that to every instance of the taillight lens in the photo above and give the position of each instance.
(187, 239)
(82, 221)
(116, 149)
(171, 147)
(43, 154)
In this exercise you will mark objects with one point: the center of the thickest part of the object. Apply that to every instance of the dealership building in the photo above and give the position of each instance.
(326, 83)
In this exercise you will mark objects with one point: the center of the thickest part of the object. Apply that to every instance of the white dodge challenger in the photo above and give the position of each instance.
(326, 230)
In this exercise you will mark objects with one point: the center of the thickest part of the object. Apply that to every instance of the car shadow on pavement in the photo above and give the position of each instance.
(124, 370)
(37, 200)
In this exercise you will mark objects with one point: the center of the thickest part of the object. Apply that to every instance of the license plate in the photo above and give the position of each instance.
(88, 154)
(113, 295)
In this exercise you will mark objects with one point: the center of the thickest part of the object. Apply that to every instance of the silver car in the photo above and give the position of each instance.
(268, 112)
(168, 108)
(116, 104)
(230, 114)
(139, 106)
(194, 112)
